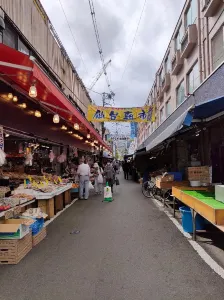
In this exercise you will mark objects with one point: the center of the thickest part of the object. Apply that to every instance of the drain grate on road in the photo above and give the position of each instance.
(75, 232)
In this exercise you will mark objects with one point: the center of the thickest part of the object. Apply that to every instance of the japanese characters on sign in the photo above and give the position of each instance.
(110, 114)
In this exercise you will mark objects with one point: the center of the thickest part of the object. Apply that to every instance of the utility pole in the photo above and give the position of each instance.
(106, 96)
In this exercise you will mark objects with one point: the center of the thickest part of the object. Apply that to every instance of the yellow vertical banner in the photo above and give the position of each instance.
(111, 114)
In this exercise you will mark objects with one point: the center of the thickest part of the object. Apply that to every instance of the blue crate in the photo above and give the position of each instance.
(178, 176)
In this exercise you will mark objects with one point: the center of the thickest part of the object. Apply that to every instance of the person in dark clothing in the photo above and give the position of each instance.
(126, 169)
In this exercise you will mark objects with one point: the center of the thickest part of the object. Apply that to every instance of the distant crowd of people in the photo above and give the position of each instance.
(97, 175)
(129, 169)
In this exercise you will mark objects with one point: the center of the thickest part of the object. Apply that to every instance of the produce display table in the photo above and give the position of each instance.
(50, 203)
(201, 201)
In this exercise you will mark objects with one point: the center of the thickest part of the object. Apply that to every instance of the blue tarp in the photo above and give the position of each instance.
(209, 108)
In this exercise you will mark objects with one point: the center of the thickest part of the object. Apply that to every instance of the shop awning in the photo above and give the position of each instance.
(184, 119)
(19, 70)
(209, 108)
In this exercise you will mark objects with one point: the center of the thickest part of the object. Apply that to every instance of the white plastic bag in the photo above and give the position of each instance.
(91, 187)
(100, 178)
(2, 157)
(107, 194)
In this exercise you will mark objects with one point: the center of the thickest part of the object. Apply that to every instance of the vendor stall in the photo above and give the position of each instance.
(202, 202)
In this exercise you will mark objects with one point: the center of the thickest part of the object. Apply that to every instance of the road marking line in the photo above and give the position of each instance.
(198, 248)
(59, 213)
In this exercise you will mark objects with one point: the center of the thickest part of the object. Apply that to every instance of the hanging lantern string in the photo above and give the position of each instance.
(44, 104)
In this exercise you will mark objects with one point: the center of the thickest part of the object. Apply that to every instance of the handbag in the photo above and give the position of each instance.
(117, 181)
(100, 178)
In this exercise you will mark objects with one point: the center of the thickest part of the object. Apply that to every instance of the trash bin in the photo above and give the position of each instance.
(187, 220)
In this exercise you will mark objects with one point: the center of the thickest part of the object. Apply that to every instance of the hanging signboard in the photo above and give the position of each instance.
(1, 138)
(119, 137)
(111, 114)
(134, 128)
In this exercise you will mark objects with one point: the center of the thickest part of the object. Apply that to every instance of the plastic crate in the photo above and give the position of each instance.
(178, 176)
(37, 226)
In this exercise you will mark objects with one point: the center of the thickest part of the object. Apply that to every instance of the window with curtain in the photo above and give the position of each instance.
(178, 38)
(193, 78)
(168, 109)
(180, 93)
(191, 14)
(217, 49)
(168, 64)
(161, 77)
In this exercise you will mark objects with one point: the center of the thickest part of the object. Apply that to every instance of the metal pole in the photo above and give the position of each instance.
(104, 103)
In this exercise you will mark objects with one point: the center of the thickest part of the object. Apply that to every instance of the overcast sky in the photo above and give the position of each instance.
(117, 22)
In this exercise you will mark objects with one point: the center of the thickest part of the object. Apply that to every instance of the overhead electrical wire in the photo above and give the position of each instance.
(92, 10)
(134, 39)
(73, 36)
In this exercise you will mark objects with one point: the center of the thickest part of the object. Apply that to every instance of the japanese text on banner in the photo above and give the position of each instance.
(110, 114)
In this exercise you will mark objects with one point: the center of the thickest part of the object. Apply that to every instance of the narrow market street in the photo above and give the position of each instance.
(127, 249)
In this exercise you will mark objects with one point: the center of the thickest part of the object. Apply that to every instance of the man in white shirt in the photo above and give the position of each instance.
(84, 174)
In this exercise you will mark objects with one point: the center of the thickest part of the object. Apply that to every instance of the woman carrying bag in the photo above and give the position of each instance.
(98, 179)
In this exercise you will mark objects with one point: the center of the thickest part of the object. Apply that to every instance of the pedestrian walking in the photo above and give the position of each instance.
(126, 169)
(84, 175)
(110, 175)
(98, 178)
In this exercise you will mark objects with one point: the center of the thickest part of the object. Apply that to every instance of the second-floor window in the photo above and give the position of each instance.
(193, 79)
(22, 47)
(191, 14)
(10, 37)
(168, 109)
(217, 49)
(180, 93)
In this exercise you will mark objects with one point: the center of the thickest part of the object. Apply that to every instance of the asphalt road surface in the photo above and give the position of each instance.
(126, 249)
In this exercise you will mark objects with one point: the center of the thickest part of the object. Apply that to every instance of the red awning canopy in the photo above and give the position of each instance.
(18, 69)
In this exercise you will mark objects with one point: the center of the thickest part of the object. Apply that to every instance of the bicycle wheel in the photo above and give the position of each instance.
(147, 189)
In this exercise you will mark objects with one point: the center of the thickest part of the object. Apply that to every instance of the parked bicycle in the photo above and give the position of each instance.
(149, 190)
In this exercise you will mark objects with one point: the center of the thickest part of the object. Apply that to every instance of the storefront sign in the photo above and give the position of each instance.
(1, 138)
(110, 114)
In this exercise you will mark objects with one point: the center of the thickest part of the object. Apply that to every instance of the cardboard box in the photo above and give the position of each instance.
(13, 229)
(13, 251)
(166, 178)
(202, 174)
(39, 236)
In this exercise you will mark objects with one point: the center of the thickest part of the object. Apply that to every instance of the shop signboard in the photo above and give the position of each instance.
(1, 138)
(119, 137)
(111, 114)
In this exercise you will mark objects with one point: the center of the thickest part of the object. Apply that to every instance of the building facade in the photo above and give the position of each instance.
(29, 30)
(195, 51)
